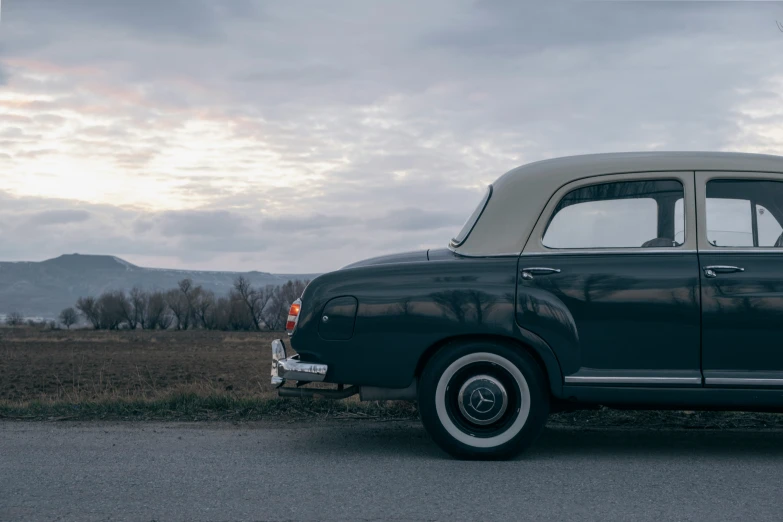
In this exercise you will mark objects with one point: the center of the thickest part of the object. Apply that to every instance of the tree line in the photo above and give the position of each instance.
(188, 306)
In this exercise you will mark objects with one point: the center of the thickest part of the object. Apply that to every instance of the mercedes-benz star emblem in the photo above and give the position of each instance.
(482, 400)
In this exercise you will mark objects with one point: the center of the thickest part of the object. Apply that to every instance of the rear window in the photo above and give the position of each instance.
(471, 222)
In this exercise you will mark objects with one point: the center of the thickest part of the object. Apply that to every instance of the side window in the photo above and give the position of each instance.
(744, 213)
(729, 222)
(626, 214)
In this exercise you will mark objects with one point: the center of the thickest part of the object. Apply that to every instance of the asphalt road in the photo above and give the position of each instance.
(365, 470)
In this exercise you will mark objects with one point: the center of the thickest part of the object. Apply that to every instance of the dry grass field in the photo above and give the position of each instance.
(84, 365)
(201, 375)
(191, 375)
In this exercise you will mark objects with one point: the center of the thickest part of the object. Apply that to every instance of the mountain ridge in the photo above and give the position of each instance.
(44, 288)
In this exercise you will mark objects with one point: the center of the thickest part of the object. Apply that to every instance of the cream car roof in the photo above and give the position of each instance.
(520, 195)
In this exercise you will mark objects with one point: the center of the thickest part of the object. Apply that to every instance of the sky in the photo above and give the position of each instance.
(300, 136)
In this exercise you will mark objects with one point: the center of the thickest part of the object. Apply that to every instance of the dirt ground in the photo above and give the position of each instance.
(80, 365)
(226, 374)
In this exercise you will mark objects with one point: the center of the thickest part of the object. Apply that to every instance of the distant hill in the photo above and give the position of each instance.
(43, 289)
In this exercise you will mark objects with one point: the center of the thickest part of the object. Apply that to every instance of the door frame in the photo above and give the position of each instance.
(534, 246)
(726, 378)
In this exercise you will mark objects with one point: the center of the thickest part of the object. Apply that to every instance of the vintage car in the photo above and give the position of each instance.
(644, 280)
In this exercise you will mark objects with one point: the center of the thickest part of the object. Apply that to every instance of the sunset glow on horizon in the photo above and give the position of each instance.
(220, 137)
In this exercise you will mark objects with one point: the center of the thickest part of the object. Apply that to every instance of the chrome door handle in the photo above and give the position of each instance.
(528, 273)
(714, 270)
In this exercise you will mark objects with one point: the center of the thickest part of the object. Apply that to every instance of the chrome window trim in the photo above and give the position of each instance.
(594, 251)
(535, 245)
(479, 256)
(586, 251)
(610, 379)
(701, 178)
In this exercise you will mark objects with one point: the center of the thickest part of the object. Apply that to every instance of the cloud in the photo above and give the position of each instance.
(58, 217)
(208, 224)
(191, 19)
(237, 135)
(314, 222)
(417, 219)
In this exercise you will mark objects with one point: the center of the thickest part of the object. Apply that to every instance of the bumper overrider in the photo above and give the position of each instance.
(285, 368)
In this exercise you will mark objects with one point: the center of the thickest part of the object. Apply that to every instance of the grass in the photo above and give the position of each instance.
(667, 419)
(200, 375)
(85, 365)
(194, 407)
(225, 407)
(138, 375)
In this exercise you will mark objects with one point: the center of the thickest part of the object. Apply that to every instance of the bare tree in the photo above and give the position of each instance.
(255, 300)
(14, 319)
(157, 314)
(36, 323)
(138, 301)
(221, 313)
(112, 309)
(190, 306)
(88, 306)
(128, 312)
(189, 294)
(166, 320)
(233, 314)
(203, 308)
(178, 305)
(68, 317)
(276, 314)
(185, 286)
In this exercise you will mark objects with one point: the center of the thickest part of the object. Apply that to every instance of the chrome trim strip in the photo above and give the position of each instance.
(746, 250)
(476, 256)
(591, 251)
(737, 381)
(292, 368)
(611, 379)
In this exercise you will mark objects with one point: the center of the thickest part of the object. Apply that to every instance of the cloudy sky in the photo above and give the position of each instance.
(300, 136)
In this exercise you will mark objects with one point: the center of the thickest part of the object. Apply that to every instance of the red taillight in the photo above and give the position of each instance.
(293, 316)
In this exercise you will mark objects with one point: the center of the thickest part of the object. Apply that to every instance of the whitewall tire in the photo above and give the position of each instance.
(483, 399)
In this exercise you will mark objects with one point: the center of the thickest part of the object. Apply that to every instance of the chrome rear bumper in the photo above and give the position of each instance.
(284, 368)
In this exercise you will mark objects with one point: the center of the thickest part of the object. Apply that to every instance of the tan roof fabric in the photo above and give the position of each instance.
(520, 195)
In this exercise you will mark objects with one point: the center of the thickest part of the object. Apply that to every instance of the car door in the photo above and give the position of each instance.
(609, 279)
(740, 239)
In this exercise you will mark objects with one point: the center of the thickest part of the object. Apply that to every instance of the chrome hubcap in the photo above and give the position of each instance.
(482, 400)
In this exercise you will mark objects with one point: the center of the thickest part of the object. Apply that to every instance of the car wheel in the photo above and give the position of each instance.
(483, 400)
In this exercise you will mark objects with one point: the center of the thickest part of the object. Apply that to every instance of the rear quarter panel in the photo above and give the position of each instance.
(404, 309)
